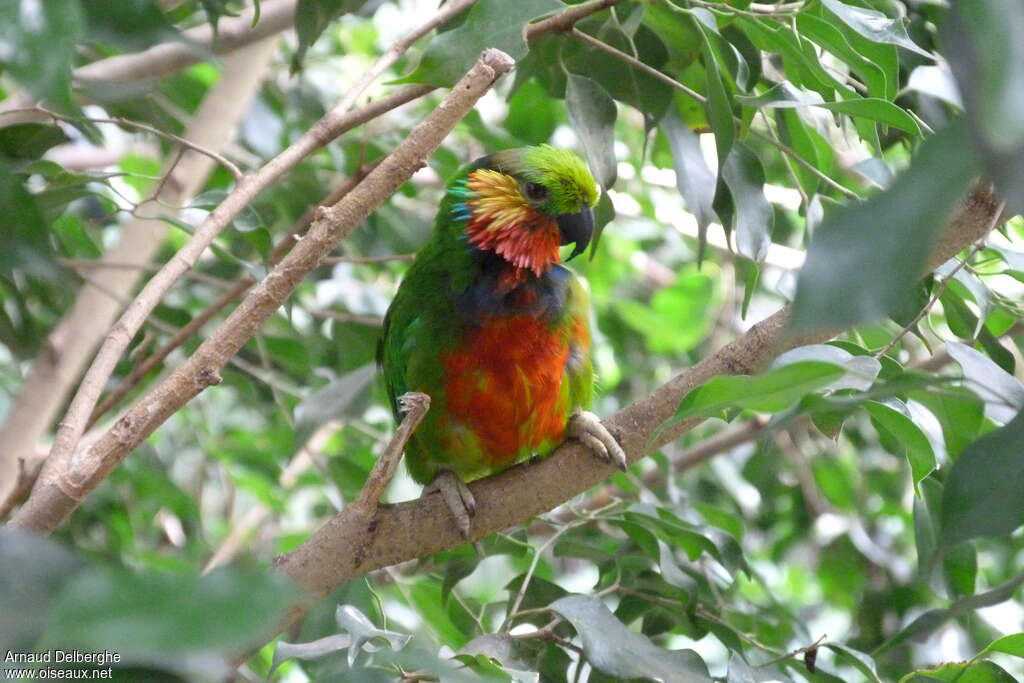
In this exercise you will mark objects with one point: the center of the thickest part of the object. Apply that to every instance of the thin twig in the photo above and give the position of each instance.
(794, 653)
(388, 258)
(22, 486)
(117, 340)
(415, 406)
(448, 11)
(940, 288)
(91, 264)
(566, 19)
(521, 593)
(128, 123)
(237, 289)
(668, 80)
(337, 316)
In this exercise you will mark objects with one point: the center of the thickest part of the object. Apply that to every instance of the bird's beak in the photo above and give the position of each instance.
(576, 228)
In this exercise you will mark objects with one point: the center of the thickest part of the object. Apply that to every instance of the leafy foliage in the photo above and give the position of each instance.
(750, 154)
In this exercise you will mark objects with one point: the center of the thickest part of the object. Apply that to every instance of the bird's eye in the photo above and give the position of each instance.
(535, 192)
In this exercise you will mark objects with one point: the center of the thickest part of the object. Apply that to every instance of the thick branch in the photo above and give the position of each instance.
(334, 123)
(166, 58)
(337, 552)
(54, 499)
(69, 346)
(237, 289)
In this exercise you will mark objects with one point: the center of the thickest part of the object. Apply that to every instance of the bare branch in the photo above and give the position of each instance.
(565, 20)
(329, 127)
(167, 58)
(128, 123)
(407, 258)
(415, 405)
(54, 499)
(72, 342)
(237, 289)
(400, 47)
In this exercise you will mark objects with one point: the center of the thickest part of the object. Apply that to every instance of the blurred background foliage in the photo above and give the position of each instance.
(852, 515)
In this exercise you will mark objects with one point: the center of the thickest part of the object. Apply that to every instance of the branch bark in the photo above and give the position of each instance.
(334, 123)
(72, 342)
(166, 58)
(237, 289)
(338, 552)
(54, 498)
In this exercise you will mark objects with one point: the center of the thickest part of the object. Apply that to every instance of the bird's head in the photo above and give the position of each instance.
(523, 204)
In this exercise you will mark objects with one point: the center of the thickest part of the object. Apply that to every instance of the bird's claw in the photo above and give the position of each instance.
(587, 428)
(457, 496)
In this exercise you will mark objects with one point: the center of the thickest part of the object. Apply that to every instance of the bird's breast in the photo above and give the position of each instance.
(504, 388)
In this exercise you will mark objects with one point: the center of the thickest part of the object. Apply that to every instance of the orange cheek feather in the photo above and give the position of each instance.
(504, 384)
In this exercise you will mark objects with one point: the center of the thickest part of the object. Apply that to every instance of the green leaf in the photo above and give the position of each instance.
(864, 260)
(918, 451)
(1002, 393)
(108, 20)
(617, 651)
(961, 672)
(753, 216)
(592, 114)
(875, 109)
(861, 661)
(679, 316)
(832, 39)
(987, 56)
(28, 141)
(984, 494)
(874, 25)
(1011, 645)
(960, 567)
(717, 107)
(926, 624)
(311, 18)
(489, 23)
(620, 80)
(772, 391)
(958, 411)
(787, 95)
(532, 115)
(73, 236)
(32, 570)
(24, 243)
(148, 614)
(695, 181)
(37, 46)
(330, 402)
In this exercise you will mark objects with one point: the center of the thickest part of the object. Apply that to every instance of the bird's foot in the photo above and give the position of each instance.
(587, 428)
(457, 496)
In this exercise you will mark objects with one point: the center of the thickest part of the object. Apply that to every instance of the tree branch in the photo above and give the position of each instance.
(69, 346)
(160, 60)
(334, 123)
(236, 290)
(53, 499)
(337, 552)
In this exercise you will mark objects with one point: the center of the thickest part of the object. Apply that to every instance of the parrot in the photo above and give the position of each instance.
(490, 325)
